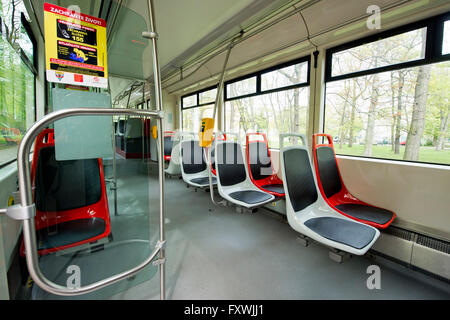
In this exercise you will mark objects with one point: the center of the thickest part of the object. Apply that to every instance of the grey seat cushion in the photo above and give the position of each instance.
(350, 233)
(204, 181)
(367, 213)
(250, 196)
(278, 188)
(69, 232)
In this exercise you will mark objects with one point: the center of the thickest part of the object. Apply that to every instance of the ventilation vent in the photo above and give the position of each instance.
(400, 233)
(434, 244)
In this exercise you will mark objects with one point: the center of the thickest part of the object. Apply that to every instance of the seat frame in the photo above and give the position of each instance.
(318, 209)
(271, 179)
(343, 196)
(246, 185)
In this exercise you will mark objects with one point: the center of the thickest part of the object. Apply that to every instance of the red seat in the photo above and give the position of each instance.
(213, 164)
(336, 194)
(70, 197)
(168, 144)
(260, 167)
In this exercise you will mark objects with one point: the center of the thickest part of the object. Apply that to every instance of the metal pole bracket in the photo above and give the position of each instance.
(149, 35)
(17, 212)
(160, 245)
(159, 262)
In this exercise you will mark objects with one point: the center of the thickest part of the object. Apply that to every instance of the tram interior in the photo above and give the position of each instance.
(272, 221)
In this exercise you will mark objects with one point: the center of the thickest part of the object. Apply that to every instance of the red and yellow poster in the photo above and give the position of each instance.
(75, 48)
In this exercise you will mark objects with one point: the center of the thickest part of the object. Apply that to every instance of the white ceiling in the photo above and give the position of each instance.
(187, 28)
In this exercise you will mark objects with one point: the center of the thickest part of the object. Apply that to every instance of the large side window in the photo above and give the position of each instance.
(388, 96)
(196, 106)
(17, 78)
(272, 101)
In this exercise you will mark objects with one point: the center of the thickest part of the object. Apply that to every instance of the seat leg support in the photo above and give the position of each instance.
(338, 255)
(240, 209)
(303, 240)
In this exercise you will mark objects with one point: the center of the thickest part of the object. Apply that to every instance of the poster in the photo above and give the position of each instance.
(75, 48)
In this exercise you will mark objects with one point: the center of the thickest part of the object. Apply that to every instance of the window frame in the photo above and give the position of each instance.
(197, 93)
(198, 105)
(433, 48)
(259, 73)
(433, 54)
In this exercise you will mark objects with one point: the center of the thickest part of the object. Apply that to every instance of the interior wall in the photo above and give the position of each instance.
(10, 229)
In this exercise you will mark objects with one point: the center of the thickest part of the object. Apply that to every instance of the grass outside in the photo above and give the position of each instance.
(426, 154)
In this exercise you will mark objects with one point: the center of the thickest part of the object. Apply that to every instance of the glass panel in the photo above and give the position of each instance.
(401, 114)
(192, 117)
(284, 77)
(446, 40)
(17, 106)
(190, 101)
(82, 137)
(208, 96)
(273, 113)
(241, 88)
(405, 47)
(81, 237)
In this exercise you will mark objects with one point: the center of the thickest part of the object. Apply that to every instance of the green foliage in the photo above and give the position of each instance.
(16, 80)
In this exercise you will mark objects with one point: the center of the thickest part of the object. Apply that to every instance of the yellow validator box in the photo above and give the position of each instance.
(206, 132)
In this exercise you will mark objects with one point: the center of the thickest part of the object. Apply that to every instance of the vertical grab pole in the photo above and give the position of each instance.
(158, 99)
(219, 100)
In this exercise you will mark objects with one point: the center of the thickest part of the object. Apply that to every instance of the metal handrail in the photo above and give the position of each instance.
(29, 232)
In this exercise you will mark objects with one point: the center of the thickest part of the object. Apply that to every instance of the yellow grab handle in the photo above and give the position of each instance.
(206, 132)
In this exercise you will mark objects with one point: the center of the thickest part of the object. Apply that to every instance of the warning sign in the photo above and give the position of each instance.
(75, 46)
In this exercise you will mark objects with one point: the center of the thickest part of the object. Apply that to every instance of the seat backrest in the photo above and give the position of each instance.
(328, 170)
(121, 127)
(230, 163)
(259, 160)
(192, 157)
(65, 185)
(298, 178)
(168, 144)
(133, 128)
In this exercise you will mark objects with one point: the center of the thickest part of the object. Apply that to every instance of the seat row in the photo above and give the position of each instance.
(318, 205)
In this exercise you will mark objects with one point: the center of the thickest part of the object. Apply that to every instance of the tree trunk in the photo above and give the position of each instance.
(353, 114)
(442, 130)
(418, 115)
(401, 81)
(371, 118)
(295, 124)
(392, 112)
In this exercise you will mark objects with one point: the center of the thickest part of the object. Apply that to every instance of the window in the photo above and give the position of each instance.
(285, 77)
(241, 88)
(190, 101)
(393, 50)
(17, 82)
(197, 106)
(446, 40)
(272, 101)
(208, 96)
(390, 98)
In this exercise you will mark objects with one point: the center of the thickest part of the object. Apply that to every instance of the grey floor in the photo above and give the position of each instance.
(217, 253)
